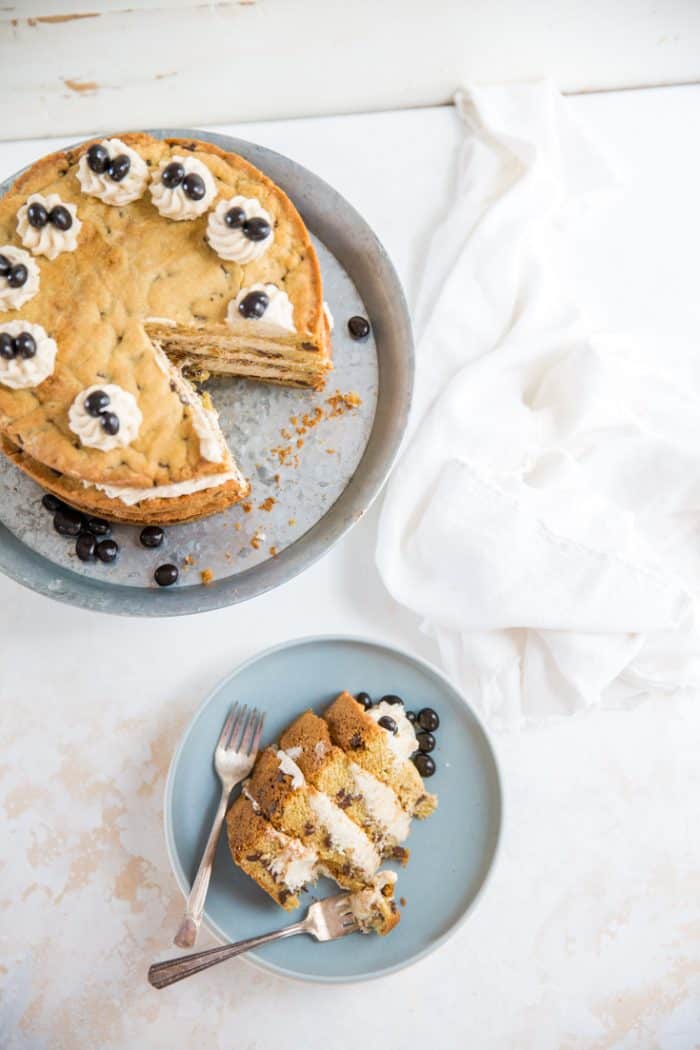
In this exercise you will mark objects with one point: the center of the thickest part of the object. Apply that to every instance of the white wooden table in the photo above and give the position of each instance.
(589, 935)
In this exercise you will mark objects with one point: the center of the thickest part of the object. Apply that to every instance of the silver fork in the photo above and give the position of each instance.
(325, 920)
(234, 758)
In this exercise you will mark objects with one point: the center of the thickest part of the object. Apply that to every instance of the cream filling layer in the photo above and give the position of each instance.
(382, 804)
(346, 836)
(296, 864)
(131, 496)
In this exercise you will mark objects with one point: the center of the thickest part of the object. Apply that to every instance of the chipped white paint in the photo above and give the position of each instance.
(191, 61)
(587, 938)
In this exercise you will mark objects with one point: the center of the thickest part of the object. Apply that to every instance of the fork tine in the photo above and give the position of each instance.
(226, 731)
(249, 730)
(258, 733)
(238, 728)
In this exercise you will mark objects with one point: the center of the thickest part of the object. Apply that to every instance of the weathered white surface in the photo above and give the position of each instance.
(76, 65)
(589, 935)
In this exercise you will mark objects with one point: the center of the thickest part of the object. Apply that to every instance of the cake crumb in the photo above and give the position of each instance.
(293, 420)
(206, 576)
(340, 403)
(188, 560)
(273, 552)
(285, 433)
(402, 902)
(247, 507)
(257, 540)
(330, 451)
(238, 526)
(267, 504)
(292, 521)
(300, 442)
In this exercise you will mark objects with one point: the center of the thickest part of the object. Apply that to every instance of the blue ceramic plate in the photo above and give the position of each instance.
(451, 852)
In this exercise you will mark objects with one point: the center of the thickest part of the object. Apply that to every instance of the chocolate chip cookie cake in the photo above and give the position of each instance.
(334, 797)
(130, 267)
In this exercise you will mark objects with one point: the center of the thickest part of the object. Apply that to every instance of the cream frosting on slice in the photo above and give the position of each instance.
(329, 316)
(12, 298)
(48, 240)
(382, 804)
(21, 373)
(346, 836)
(131, 496)
(278, 315)
(89, 428)
(171, 201)
(403, 743)
(231, 242)
(295, 865)
(289, 766)
(104, 187)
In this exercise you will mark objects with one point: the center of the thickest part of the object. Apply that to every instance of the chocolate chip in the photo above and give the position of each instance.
(17, 276)
(424, 764)
(25, 345)
(109, 421)
(7, 347)
(172, 175)
(356, 741)
(60, 217)
(254, 305)
(151, 536)
(257, 229)
(52, 503)
(388, 723)
(37, 215)
(107, 550)
(358, 327)
(98, 526)
(97, 159)
(194, 186)
(85, 546)
(96, 402)
(119, 167)
(234, 217)
(166, 575)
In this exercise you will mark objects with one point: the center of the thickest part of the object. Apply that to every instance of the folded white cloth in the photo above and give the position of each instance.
(542, 518)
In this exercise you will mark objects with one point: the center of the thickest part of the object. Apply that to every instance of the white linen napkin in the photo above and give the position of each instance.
(542, 518)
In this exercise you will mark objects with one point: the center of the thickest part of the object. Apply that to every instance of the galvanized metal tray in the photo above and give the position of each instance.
(316, 461)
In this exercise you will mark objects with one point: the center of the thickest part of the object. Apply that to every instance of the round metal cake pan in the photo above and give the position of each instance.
(349, 238)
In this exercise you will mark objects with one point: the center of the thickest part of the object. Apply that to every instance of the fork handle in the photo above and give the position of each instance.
(194, 908)
(162, 974)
